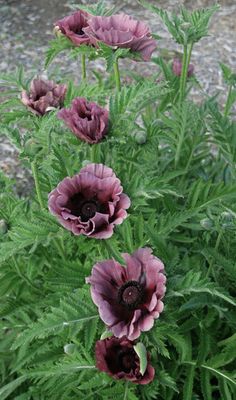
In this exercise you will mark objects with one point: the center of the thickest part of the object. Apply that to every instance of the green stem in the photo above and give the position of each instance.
(93, 152)
(126, 390)
(117, 75)
(227, 105)
(212, 260)
(189, 55)
(83, 67)
(184, 72)
(34, 168)
(182, 77)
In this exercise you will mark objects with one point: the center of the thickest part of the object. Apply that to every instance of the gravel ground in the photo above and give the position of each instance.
(26, 28)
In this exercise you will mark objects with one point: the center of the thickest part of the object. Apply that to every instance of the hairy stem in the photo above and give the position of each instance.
(184, 73)
(93, 153)
(34, 168)
(83, 67)
(212, 260)
(117, 75)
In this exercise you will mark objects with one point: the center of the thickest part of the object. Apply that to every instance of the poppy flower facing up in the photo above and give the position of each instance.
(122, 31)
(129, 298)
(87, 120)
(90, 203)
(118, 359)
(72, 27)
(43, 96)
(177, 68)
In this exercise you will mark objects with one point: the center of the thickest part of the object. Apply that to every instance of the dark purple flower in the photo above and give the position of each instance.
(90, 203)
(72, 27)
(122, 31)
(43, 96)
(177, 68)
(118, 358)
(87, 120)
(129, 298)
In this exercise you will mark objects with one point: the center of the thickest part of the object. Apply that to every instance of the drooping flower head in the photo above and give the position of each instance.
(87, 120)
(72, 27)
(118, 358)
(121, 30)
(43, 95)
(90, 203)
(177, 68)
(129, 298)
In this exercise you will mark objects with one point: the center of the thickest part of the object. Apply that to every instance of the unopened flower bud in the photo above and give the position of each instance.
(32, 147)
(69, 348)
(140, 137)
(227, 220)
(207, 224)
(185, 25)
(3, 227)
(227, 216)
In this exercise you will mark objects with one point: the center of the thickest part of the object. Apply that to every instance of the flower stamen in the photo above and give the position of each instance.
(130, 294)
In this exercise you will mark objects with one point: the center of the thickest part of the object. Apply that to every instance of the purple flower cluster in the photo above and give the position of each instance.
(91, 203)
(116, 31)
(129, 298)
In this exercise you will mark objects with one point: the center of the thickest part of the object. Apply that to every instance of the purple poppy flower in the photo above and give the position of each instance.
(43, 96)
(129, 298)
(121, 30)
(72, 27)
(177, 68)
(87, 120)
(118, 359)
(90, 203)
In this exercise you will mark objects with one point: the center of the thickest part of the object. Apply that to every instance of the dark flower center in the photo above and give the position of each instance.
(78, 30)
(85, 208)
(126, 360)
(130, 294)
(85, 113)
(88, 209)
